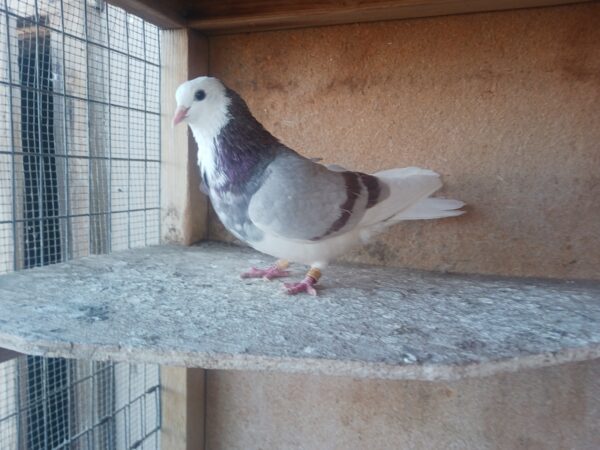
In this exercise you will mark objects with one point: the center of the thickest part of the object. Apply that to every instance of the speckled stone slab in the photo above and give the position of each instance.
(188, 306)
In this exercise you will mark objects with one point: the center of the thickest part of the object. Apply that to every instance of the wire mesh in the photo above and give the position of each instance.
(79, 175)
(79, 149)
(53, 403)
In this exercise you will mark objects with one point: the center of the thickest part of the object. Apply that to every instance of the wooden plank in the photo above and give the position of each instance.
(236, 15)
(164, 14)
(6, 354)
(184, 215)
(183, 400)
(196, 214)
(229, 16)
(184, 207)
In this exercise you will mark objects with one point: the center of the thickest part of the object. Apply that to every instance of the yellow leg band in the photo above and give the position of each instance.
(314, 273)
(282, 264)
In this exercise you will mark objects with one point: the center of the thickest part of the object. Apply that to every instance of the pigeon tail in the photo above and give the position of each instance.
(407, 186)
(430, 208)
(409, 199)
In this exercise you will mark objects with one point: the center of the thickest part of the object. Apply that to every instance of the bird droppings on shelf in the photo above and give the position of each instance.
(187, 306)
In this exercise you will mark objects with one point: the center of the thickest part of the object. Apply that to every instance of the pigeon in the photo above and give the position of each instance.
(288, 206)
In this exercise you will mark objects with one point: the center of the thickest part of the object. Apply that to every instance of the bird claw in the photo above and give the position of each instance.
(266, 274)
(306, 285)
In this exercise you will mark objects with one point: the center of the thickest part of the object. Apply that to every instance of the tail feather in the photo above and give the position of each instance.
(409, 199)
(407, 186)
(430, 208)
(403, 172)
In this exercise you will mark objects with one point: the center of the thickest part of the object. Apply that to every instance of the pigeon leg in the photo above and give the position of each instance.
(306, 285)
(278, 270)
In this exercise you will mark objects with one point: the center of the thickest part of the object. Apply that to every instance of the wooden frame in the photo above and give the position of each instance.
(6, 354)
(184, 207)
(183, 408)
(183, 221)
(230, 16)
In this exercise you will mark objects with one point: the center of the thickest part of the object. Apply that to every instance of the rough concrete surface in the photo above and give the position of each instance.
(187, 306)
(506, 106)
(554, 408)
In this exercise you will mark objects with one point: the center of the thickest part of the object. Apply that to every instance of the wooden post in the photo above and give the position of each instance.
(184, 216)
(183, 399)
(184, 55)
(6, 354)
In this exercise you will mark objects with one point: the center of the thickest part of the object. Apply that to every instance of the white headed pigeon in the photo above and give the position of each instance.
(286, 205)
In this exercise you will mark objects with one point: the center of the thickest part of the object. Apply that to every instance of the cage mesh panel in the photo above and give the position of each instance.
(78, 404)
(79, 175)
(68, 123)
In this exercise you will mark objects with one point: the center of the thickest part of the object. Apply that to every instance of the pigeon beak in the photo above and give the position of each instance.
(180, 114)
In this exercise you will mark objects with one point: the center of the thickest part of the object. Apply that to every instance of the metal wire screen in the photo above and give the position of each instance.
(52, 403)
(79, 175)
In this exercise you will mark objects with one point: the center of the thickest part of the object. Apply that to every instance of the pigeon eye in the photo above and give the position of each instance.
(200, 95)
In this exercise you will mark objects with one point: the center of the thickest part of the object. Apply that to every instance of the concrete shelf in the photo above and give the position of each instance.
(187, 306)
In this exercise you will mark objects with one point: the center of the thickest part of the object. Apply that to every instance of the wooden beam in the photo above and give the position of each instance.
(183, 412)
(230, 16)
(6, 354)
(184, 215)
(184, 212)
(166, 15)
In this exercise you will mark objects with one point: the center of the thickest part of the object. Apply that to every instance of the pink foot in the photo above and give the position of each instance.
(306, 285)
(267, 274)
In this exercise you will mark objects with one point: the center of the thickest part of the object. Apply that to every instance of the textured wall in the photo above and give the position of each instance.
(545, 409)
(506, 106)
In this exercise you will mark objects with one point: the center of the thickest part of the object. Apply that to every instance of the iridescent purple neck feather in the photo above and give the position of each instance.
(244, 148)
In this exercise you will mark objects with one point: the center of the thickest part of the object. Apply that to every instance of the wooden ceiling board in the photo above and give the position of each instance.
(231, 16)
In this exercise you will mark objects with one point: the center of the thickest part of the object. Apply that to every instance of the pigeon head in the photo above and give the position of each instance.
(202, 103)
(232, 144)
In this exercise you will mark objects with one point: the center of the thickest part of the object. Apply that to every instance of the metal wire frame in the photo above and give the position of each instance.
(92, 416)
(150, 162)
(130, 420)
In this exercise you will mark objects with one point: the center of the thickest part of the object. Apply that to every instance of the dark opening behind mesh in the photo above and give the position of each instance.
(79, 175)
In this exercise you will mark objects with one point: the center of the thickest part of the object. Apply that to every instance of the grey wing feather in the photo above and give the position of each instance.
(333, 167)
(303, 200)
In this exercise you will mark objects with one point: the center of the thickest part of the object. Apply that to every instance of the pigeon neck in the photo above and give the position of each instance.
(206, 152)
(239, 150)
(242, 150)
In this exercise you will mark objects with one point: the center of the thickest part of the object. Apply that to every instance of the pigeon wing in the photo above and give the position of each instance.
(300, 199)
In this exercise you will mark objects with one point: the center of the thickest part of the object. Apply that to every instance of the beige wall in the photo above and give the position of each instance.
(506, 106)
(545, 409)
